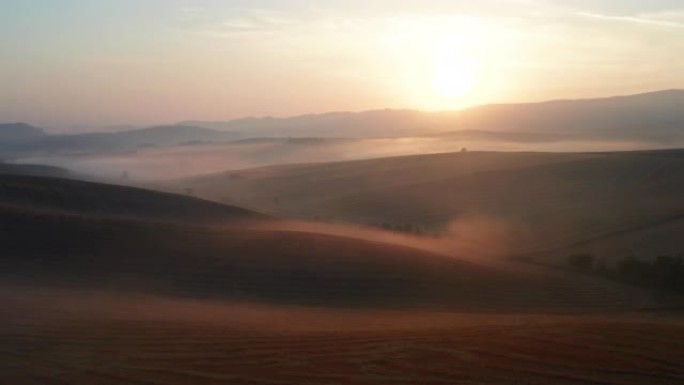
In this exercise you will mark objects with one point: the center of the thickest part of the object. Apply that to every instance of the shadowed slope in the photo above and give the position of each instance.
(79, 233)
(281, 266)
(38, 193)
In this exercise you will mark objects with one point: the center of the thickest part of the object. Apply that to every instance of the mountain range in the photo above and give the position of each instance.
(655, 117)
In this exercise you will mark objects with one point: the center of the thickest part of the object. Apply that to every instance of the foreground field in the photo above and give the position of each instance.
(58, 337)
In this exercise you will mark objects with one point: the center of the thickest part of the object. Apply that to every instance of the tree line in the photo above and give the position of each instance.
(662, 272)
(401, 228)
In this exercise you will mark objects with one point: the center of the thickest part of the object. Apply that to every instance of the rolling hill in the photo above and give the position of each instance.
(79, 233)
(530, 202)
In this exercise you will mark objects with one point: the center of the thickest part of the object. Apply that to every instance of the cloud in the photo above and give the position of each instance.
(257, 22)
(646, 20)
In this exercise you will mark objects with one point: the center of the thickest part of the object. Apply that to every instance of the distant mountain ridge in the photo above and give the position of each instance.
(365, 124)
(654, 117)
(156, 136)
(19, 132)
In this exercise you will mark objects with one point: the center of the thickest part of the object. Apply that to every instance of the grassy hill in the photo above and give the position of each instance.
(543, 201)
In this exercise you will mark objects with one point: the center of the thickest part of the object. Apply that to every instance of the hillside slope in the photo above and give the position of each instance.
(65, 232)
(87, 198)
(303, 187)
(278, 266)
(544, 201)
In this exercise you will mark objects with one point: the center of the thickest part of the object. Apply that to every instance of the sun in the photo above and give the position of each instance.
(453, 76)
(449, 69)
(439, 63)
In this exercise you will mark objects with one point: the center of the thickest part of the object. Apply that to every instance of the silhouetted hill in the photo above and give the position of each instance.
(367, 124)
(144, 137)
(32, 169)
(18, 132)
(654, 116)
(158, 136)
(654, 119)
(170, 135)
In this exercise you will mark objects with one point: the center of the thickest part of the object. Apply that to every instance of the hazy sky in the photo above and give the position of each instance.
(91, 62)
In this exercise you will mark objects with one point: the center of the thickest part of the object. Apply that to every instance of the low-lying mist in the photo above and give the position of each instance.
(158, 164)
(479, 239)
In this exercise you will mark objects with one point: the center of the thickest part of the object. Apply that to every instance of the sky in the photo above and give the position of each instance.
(85, 63)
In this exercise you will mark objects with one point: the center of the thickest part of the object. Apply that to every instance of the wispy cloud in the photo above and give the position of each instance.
(646, 20)
(261, 21)
(255, 23)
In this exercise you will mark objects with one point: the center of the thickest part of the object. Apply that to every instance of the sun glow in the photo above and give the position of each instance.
(440, 63)
(454, 76)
